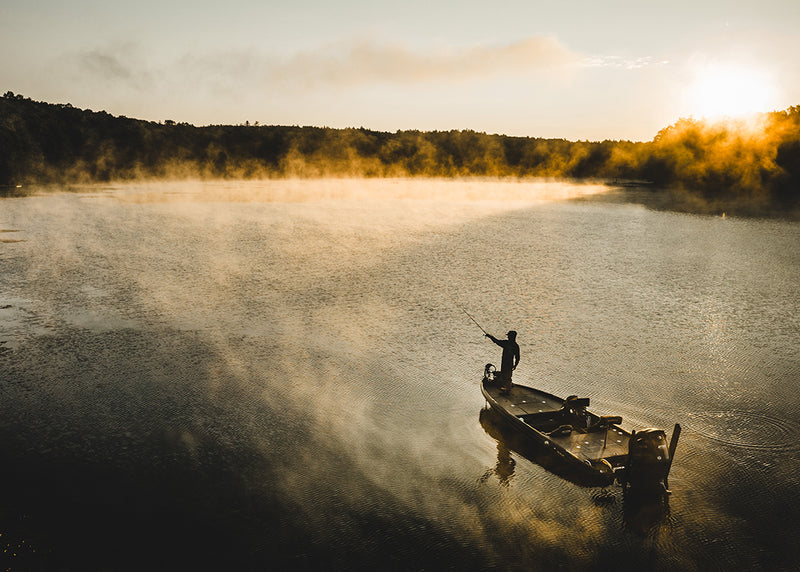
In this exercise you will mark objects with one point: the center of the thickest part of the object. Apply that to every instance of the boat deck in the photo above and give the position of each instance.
(593, 444)
(524, 400)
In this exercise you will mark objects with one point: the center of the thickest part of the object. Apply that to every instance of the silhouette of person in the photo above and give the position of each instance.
(509, 360)
(504, 469)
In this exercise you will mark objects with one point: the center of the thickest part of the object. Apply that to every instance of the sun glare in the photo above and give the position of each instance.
(720, 91)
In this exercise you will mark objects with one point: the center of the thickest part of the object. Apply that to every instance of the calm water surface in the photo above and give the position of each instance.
(279, 376)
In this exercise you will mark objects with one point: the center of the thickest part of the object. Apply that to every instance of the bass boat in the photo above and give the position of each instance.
(593, 446)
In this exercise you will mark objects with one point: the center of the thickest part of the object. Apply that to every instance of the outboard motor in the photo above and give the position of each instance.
(489, 373)
(649, 460)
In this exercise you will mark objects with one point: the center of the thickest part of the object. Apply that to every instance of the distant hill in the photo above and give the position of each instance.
(753, 162)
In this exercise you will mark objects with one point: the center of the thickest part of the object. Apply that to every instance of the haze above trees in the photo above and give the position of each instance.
(752, 162)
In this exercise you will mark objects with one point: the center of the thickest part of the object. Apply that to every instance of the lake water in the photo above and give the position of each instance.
(279, 375)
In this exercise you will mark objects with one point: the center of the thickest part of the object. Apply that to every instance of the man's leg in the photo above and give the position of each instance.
(505, 381)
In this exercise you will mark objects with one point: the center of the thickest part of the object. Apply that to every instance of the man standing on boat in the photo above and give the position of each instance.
(509, 360)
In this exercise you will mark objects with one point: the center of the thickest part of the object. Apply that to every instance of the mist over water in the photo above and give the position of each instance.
(278, 374)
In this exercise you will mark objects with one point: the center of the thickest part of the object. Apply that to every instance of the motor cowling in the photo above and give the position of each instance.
(648, 460)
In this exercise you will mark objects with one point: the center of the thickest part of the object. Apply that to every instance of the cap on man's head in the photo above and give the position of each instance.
(512, 334)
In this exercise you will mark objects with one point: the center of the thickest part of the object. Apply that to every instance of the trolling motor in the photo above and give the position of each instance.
(649, 460)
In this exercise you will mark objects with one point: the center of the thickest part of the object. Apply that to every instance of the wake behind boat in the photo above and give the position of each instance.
(592, 445)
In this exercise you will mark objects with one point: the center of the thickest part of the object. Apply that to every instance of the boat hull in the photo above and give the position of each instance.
(588, 448)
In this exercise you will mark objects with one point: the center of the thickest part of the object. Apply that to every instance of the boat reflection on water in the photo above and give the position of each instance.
(643, 513)
(504, 469)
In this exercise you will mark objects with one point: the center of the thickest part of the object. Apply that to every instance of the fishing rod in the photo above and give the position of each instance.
(471, 318)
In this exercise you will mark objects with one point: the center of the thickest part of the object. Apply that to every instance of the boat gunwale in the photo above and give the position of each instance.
(546, 440)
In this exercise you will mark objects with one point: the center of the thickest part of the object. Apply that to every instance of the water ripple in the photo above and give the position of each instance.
(746, 429)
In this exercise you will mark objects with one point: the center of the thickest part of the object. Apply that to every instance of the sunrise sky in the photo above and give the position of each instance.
(577, 70)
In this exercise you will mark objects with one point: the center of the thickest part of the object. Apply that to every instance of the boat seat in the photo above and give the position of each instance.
(574, 412)
(573, 401)
(605, 422)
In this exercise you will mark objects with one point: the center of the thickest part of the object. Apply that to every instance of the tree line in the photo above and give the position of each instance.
(754, 161)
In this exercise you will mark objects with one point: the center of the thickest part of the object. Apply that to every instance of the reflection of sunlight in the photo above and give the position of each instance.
(728, 90)
(498, 194)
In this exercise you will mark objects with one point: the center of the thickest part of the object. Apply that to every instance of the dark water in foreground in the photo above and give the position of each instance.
(276, 376)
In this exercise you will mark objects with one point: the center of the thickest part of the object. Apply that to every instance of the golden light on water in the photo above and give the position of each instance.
(729, 90)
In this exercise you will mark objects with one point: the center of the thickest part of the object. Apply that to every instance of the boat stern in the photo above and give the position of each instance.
(649, 461)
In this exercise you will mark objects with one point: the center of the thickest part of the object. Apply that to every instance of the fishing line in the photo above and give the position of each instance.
(470, 317)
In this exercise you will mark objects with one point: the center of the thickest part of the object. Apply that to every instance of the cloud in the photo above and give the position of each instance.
(127, 68)
(354, 64)
(344, 65)
(117, 66)
(104, 65)
(622, 63)
(369, 62)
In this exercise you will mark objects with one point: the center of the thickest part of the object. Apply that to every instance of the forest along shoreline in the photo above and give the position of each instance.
(747, 167)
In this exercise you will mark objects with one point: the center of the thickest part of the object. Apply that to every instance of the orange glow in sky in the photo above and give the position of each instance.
(729, 91)
(579, 70)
